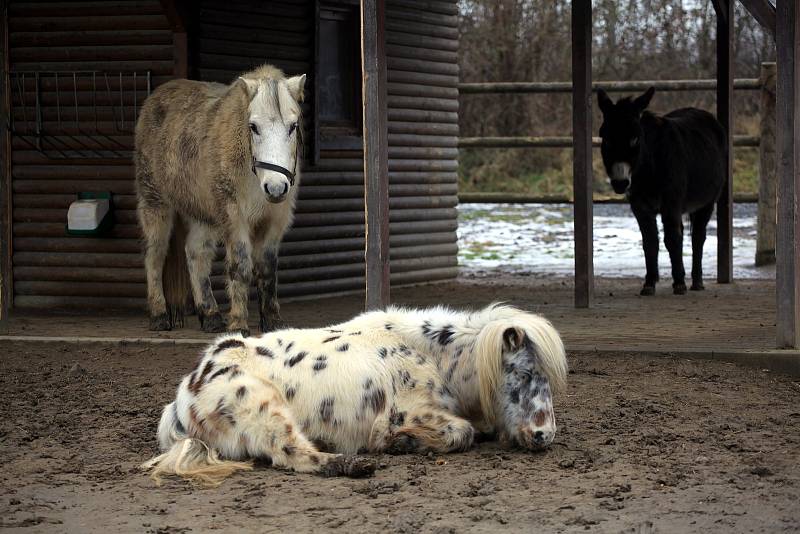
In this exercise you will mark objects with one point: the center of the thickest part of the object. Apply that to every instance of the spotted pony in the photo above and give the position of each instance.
(395, 381)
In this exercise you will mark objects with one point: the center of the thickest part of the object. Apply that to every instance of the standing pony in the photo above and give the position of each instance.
(671, 164)
(396, 381)
(222, 160)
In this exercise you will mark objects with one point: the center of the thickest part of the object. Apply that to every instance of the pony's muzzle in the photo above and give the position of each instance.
(276, 192)
(536, 439)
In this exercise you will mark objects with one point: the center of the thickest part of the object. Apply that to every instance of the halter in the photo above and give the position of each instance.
(277, 168)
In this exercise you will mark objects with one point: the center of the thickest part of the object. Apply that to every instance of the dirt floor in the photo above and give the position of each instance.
(684, 446)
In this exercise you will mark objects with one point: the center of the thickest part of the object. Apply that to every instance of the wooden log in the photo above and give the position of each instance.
(560, 142)
(787, 253)
(582, 149)
(417, 15)
(608, 86)
(96, 22)
(429, 54)
(376, 158)
(90, 37)
(767, 185)
(6, 272)
(398, 64)
(725, 38)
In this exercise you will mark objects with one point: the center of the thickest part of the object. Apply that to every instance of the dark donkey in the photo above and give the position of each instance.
(671, 164)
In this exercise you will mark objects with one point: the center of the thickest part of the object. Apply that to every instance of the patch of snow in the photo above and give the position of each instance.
(538, 239)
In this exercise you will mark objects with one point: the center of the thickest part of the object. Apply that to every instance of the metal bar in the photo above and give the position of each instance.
(787, 253)
(582, 150)
(749, 84)
(376, 153)
(751, 141)
(725, 38)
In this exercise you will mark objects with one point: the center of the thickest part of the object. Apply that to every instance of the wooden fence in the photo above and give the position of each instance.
(765, 141)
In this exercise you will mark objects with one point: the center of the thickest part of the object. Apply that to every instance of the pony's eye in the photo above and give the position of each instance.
(634, 141)
(254, 128)
(292, 128)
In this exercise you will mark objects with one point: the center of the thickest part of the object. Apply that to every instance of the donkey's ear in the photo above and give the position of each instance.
(250, 85)
(643, 101)
(512, 339)
(296, 86)
(605, 103)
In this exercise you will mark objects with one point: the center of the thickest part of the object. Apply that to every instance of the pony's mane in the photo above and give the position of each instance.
(489, 351)
(268, 72)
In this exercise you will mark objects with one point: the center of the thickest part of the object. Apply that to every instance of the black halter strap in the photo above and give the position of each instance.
(272, 167)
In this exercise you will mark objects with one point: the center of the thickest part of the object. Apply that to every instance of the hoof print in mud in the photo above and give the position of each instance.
(350, 466)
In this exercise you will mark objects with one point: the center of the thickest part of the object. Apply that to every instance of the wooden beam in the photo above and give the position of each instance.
(582, 150)
(376, 153)
(6, 283)
(767, 183)
(725, 35)
(174, 10)
(764, 13)
(787, 253)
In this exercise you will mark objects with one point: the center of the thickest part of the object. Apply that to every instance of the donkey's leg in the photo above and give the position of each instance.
(265, 254)
(649, 229)
(244, 416)
(699, 220)
(415, 426)
(200, 243)
(673, 239)
(156, 225)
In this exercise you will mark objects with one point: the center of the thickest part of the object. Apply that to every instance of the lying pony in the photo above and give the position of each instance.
(398, 381)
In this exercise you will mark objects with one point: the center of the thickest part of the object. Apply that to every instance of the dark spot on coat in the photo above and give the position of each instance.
(375, 399)
(326, 410)
(388, 326)
(367, 383)
(382, 352)
(445, 335)
(314, 459)
(264, 351)
(343, 347)
(329, 339)
(319, 365)
(289, 346)
(294, 360)
(263, 407)
(187, 146)
(228, 344)
(179, 428)
(288, 450)
(236, 372)
(220, 372)
(280, 342)
(358, 333)
(396, 417)
(290, 393)
(241, 392)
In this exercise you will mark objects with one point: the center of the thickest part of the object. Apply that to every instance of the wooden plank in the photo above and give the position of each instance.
(376, 158)
(582, 149)
(725, 37)
(6, 282)
(764, 12)
(787, 271)
(767, 186)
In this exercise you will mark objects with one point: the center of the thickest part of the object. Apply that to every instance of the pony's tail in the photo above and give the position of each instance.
(177, 287)
(187, 457)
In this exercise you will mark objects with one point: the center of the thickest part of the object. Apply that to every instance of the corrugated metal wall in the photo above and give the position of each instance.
(324, 251)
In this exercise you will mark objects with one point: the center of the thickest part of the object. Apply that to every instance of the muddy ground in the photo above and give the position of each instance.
(684, 446)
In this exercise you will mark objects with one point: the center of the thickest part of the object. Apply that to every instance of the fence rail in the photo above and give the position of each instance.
(749, 84)
(561, 142)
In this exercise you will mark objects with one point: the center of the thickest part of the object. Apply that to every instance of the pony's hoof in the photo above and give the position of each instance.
(648, 291)
(244, 331)
(270, 324)
(349, 466)
(403, 443)
(159, 323)
(697, 286)
(212, 323)
(679, 289)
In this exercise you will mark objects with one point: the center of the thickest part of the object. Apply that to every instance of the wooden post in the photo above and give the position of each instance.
(376, 153)
(767, 192)
(787, 273)
(724, 9)
(582, 149)
(6, 285)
